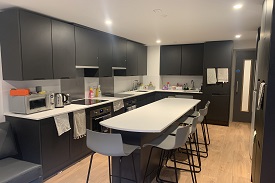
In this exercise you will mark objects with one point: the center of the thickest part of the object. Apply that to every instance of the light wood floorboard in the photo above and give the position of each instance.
(228, 161)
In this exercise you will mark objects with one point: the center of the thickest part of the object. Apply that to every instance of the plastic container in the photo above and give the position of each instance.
(91, 92)
(98, 91)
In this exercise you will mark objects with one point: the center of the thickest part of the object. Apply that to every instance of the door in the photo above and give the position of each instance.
(36, 45)
(244, 74)
(63, 50)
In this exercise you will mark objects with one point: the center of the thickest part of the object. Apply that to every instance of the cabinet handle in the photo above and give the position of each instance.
(237, 87)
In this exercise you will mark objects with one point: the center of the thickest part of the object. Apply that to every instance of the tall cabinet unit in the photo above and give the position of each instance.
(217, 55)
(26, 45)
(105, 55)
(263, 149)
(63, 44)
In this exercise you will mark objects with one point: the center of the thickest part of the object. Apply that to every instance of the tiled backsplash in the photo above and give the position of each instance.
(173, 80)
(125, 83)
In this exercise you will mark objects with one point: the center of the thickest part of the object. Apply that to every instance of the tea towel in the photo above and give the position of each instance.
(62, 123)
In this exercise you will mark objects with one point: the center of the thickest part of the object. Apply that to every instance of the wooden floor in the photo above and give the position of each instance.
(228, 161)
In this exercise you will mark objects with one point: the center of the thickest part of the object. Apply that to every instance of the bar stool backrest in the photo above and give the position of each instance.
(181, 136)
(194, 123)
(105, 143)
(207, 106)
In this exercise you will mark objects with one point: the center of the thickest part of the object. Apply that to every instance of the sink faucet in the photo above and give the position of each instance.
(193, 85)
(135, 84)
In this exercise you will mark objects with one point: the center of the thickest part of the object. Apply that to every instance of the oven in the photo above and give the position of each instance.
(98, 115)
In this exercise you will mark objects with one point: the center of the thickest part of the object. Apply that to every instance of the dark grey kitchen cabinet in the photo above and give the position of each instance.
(63, 50)
(105, 55)
(142, 59)
(54, 149)
(119, 46)
(192, 59)
(132, 59)
(86, 42)
(26, 45)
(170, 60)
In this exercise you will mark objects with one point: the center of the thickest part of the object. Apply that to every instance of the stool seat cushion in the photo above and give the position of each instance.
(17, 171)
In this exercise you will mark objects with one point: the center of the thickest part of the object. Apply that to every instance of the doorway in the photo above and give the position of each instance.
(243, 88)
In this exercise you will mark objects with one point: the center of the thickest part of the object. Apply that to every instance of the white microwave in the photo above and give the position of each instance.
(30, 104)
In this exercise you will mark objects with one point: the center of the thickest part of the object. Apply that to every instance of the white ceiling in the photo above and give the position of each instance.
(187, 21)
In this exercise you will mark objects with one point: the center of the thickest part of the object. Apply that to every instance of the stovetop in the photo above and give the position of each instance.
(117, 95)
(87, 101)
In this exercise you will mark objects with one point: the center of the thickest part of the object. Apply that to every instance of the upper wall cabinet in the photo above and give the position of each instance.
(26, 46)
(142, 60)
(170, 60)
(63, 50)
(132, 59)
(181, 59)
(119, 51)
(105, 54)
(192, 59)
(86, 47)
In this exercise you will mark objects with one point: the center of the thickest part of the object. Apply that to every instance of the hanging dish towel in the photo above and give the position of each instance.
(223, 75)
(211, 76)
(62, 123)
(79, 124)
(261, 95)
(118, 105)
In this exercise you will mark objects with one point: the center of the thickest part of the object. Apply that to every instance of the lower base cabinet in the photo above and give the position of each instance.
(39, 143)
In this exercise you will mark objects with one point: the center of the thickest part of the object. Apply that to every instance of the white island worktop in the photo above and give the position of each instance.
(151, 118)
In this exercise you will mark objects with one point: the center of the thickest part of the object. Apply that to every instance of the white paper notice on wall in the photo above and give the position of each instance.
(211, 76)
(223, 75)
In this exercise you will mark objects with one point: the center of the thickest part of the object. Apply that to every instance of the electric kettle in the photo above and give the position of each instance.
(61, 100)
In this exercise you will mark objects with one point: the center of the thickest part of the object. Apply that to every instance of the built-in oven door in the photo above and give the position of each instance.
(96, 120)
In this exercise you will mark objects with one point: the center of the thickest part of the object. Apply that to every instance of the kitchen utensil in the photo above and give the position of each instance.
(61, 100)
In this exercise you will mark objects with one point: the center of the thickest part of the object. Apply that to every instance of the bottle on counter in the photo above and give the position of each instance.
(91, 93)
(98, 91)
(168, 85)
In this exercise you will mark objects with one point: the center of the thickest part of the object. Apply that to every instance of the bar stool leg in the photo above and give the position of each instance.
(88, 176)
(147, 164)
(120, 160)
(189, 162)
(193, 163)
(133, 160)
(206, 124)
(198, 148)
(109, 164)
(175, 165)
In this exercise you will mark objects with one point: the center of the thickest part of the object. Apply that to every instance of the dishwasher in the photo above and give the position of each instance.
(98, 115)
(130, 104)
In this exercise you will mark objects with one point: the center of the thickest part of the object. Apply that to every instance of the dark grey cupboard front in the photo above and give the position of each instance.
(132, 59)
(26, 45)
(86, 41)
(142, 59)
(119, 46)
(170, 60)
(192, 59)
(63, 50)
(105, 54)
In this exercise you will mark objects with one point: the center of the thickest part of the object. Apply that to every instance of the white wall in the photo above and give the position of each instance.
(153, 66)
(245, 44)
(181, 80)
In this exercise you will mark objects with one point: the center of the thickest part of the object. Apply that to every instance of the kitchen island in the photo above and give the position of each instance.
(142, 125)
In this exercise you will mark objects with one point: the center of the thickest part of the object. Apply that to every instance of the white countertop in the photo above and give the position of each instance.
(76, 107)
(151, 118)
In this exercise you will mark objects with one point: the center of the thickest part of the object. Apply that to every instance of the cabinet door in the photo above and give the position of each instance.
(142, 60)
(55, 149)
(192, 59)
(132, 59)
(36, 44)
(86, 42)
(170, 60)
(105, 55)
(63, 50)
(119, 51)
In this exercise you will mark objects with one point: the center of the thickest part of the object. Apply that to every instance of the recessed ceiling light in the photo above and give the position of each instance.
(108, 22)
(237, 6)
(238, 36)
(158, 41)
